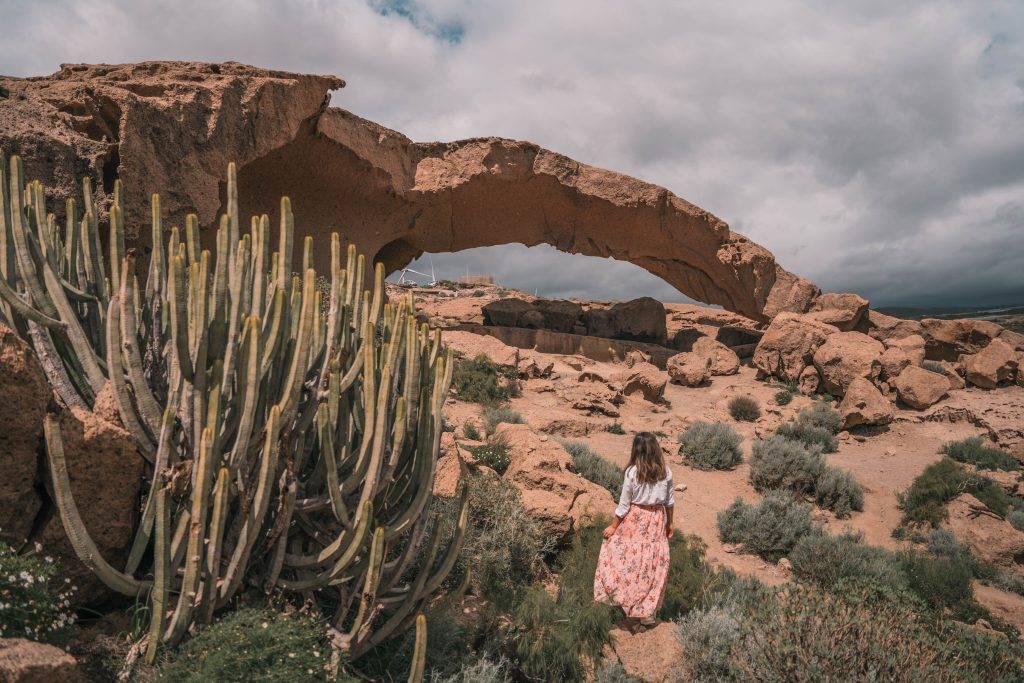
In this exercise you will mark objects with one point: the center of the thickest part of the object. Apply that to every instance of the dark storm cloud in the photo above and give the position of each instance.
(872, 146)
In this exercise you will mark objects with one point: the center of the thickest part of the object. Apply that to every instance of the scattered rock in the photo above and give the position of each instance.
(950, 371)
(809, 381)
(724, 360)
(570, 428)
(788, 345)
(24, 394)
(845, 356)
(992, 366)
(26, 661)
(842, 310)
(591, 398)
(689, 369)
(863, 404)
(645, 379)
(635, 356)
(900, 353)
(949, 339)
(881, 326)
(992, 539)
(920, 388)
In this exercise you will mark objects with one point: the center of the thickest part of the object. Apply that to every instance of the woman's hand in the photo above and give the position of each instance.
(609, 530)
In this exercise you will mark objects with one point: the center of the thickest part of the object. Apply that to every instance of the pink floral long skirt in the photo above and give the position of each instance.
(633, 564)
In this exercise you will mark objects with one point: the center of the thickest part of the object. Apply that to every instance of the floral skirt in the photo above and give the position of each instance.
(633, 564)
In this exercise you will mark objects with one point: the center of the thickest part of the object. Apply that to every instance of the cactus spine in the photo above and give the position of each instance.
(292, 440)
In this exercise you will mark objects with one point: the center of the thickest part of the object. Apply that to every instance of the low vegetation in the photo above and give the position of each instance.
(711, 446)
(496, 415)
(770, 528)
(34, 600)
(926, 500)
(615, 428)
(744, 409)
(590, 465)
(481, 380)
(495, 454)
(783, 397)
(471, 432)
(974, 451)
(816, 425)
(782, 463)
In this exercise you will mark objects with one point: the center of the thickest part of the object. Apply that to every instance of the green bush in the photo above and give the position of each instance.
(783, 397)
(780, 463)
(34, 600)
(496, 415)
(973, 451)
(942, 582)
(1016, 518)
(769, 529)
(471, 432)
(590, 465)
(613, 672)
(253, 644)
(688, 576)
(926, 499)
(815, 425)
(744, 409)
(858, 631)
(838, 491)
(494, 454)
(711, 446)
(826, 560)
(481, 380)
(615, 428)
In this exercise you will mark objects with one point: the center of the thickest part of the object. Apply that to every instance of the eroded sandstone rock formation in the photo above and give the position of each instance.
(171, 127)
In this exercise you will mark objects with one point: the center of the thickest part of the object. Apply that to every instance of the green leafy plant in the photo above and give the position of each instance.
(744, 409)
(783, 397)
(494, 454)
(975, 452)
(770, 528)
(825, 560)
(591, 466)
(711, 446)
(926, 499)
(481, 380)
(838, 491)
(34, 600)
(470, 431)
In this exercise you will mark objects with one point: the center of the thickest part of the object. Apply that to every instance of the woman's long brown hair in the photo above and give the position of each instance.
(647, 458)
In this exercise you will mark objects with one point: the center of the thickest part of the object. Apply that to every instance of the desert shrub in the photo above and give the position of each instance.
(551, 635)
(1016, 518)
(933, 366)
(480, 380)
(941, 581)
(859, 631)
(615, 428)
(825, 560)
(480, 671)
(590, 465)
(613, 672)
(34, 600)
(470, 431)
(926, 499)
(744, 409)
(783, 397)
(688, 576)
(494, 454)
(769, 529)
(815, 425)
(838, 491)
(974, 452)
(781, 463)
(496, 415)
(711, 446)
(253, 644)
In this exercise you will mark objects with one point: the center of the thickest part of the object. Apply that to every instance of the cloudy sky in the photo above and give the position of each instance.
(875, 146)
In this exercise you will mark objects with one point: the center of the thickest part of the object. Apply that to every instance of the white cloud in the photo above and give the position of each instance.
(874, 146)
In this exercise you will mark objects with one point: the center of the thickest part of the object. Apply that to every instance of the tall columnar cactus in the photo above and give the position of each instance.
(293, 441)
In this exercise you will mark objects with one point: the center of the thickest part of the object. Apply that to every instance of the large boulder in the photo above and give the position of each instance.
(644, 379)
(949, 339)
(509, 312)
(882, 326)
(560, 315)
(788, 345)
(920, 388)
(689, 369)
(900, 353)
(842, 310)
(993, 365)
(552, 493)
(106, 472)
(640, 319)
(992, 539)
(653, 655)
(724, 360)
(26, 661)
(864, 404)
(845, 356)
(24, 395)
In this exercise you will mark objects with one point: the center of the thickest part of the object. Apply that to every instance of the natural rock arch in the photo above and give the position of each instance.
(172, 126)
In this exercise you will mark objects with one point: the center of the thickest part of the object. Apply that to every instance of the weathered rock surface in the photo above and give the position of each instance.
(26, 661)
(920, 388)
(644, 379)
(724, 360)
(106, 477)
(392, 197)
(809, 381)
(992, 539)
(509, 312)
(883, 327)
(640, 319)
(949, 339)
(788, 345)
(24, 395)
(864, 404)
(689, 369)
(845, 356)
(450, 467)
(842, 310)
(993, 365)
(556, 496)
(654, 655)
(899, 353)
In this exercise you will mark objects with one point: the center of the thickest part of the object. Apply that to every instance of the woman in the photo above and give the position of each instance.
(633, 564)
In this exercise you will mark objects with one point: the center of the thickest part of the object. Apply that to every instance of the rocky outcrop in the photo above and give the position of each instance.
(788, 345)
(652, 655)
(645, 380)
(689, 369)
(993, 365)
(26, 661)
(844, 311)
(992, 539)
(24, 395)
(882, 326)
(724, 360)
(920, 388)
(949, 339)
(392, 197)
(551, 492)
(864, 404)
(900, 353)
(846, 356)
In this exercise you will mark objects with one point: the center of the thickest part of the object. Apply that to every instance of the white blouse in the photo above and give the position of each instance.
(633, 492)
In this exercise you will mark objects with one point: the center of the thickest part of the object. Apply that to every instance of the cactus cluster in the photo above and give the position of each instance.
(292, 441)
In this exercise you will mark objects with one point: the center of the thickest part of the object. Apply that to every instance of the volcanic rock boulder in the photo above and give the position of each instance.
(900, 353)
(392, 197)
(689, 369)
(640, 319)
(845, 356)
(842, 310)
(724, 360)
(864, 404)
(26, 661)
(992, 365)
(949, 339)
(882, 326)
(24, 395)
(920, 388)
(788, 345)
(644, 379)
(509, 312)
(993, 540)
